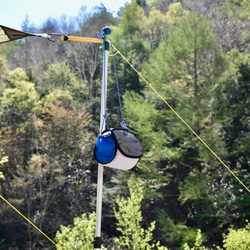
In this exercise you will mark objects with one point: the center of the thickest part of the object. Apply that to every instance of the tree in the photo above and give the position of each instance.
(229, 26)
(238, 8)
(237, 237)
(3, 159)
(27, 26)
(78, 236)
(230, 110)
(85, 59)
(130, 15)
(183, 69)
(188, 59)
(47, 142)
(161, 5)
(55, 175)
(35, 51)
(129, 219)
(19, 99)
(234, 239)
(59, 80)
(19, 90)
(156, 25)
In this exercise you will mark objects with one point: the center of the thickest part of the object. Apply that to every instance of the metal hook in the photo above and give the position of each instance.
(54, 34)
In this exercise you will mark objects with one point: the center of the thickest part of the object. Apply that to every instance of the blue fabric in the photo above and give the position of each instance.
(105, 149)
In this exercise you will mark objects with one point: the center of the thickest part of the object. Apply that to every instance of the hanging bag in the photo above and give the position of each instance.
(118, 148)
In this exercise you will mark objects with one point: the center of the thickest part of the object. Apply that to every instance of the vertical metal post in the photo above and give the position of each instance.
(98, 240)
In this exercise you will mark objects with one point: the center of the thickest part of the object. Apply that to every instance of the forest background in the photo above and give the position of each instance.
(196, 54)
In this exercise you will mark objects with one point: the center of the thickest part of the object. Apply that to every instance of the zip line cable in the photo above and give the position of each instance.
(39, 230)
(204, 143)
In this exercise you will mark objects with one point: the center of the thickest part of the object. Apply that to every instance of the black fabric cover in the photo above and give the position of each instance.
(127, 143)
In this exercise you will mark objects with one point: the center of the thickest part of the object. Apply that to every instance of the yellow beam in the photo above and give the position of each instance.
(81, 39)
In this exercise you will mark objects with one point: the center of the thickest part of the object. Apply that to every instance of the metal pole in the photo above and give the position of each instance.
(98, 240)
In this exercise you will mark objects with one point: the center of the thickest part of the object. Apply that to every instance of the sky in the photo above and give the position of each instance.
(14, 12)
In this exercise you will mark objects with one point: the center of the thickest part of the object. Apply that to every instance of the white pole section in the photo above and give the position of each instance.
(98, 241)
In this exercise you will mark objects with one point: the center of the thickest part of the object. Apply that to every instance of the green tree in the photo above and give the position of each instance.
(54, 177)
(19, 91)
(60, 81)
(234, 239)
(183, 69)
(78, 236)
(3, 159)
(129, 36)
(18, 100)
(197, 244)
(7, 49)
(156, 25)
(239, 8)
(237, 237)
(129, 224)
(130, 16)
(47, 142)
(230, 110)
(129, 220)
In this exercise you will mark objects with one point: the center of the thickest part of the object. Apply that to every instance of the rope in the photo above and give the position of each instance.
(117, 84)
(100, 35)
(204, 143)
(27, 219)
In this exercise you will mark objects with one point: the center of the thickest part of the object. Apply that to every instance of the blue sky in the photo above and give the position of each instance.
(13, 12)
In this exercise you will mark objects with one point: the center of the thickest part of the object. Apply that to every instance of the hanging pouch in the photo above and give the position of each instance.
(105, 148)
(118, 148)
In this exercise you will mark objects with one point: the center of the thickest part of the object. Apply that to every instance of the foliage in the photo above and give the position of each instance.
(239, 8)
(197, 244)
(21, 95)
(129, 222)
(130, 15)
(78, 236)
(195, 187)
(234, 239)
(237, 237)
(3, 159)
(175, 70)
(59, 75)
(46, 165)
(231, 101)
(133, 236)
(129, 219)
(7, 49)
